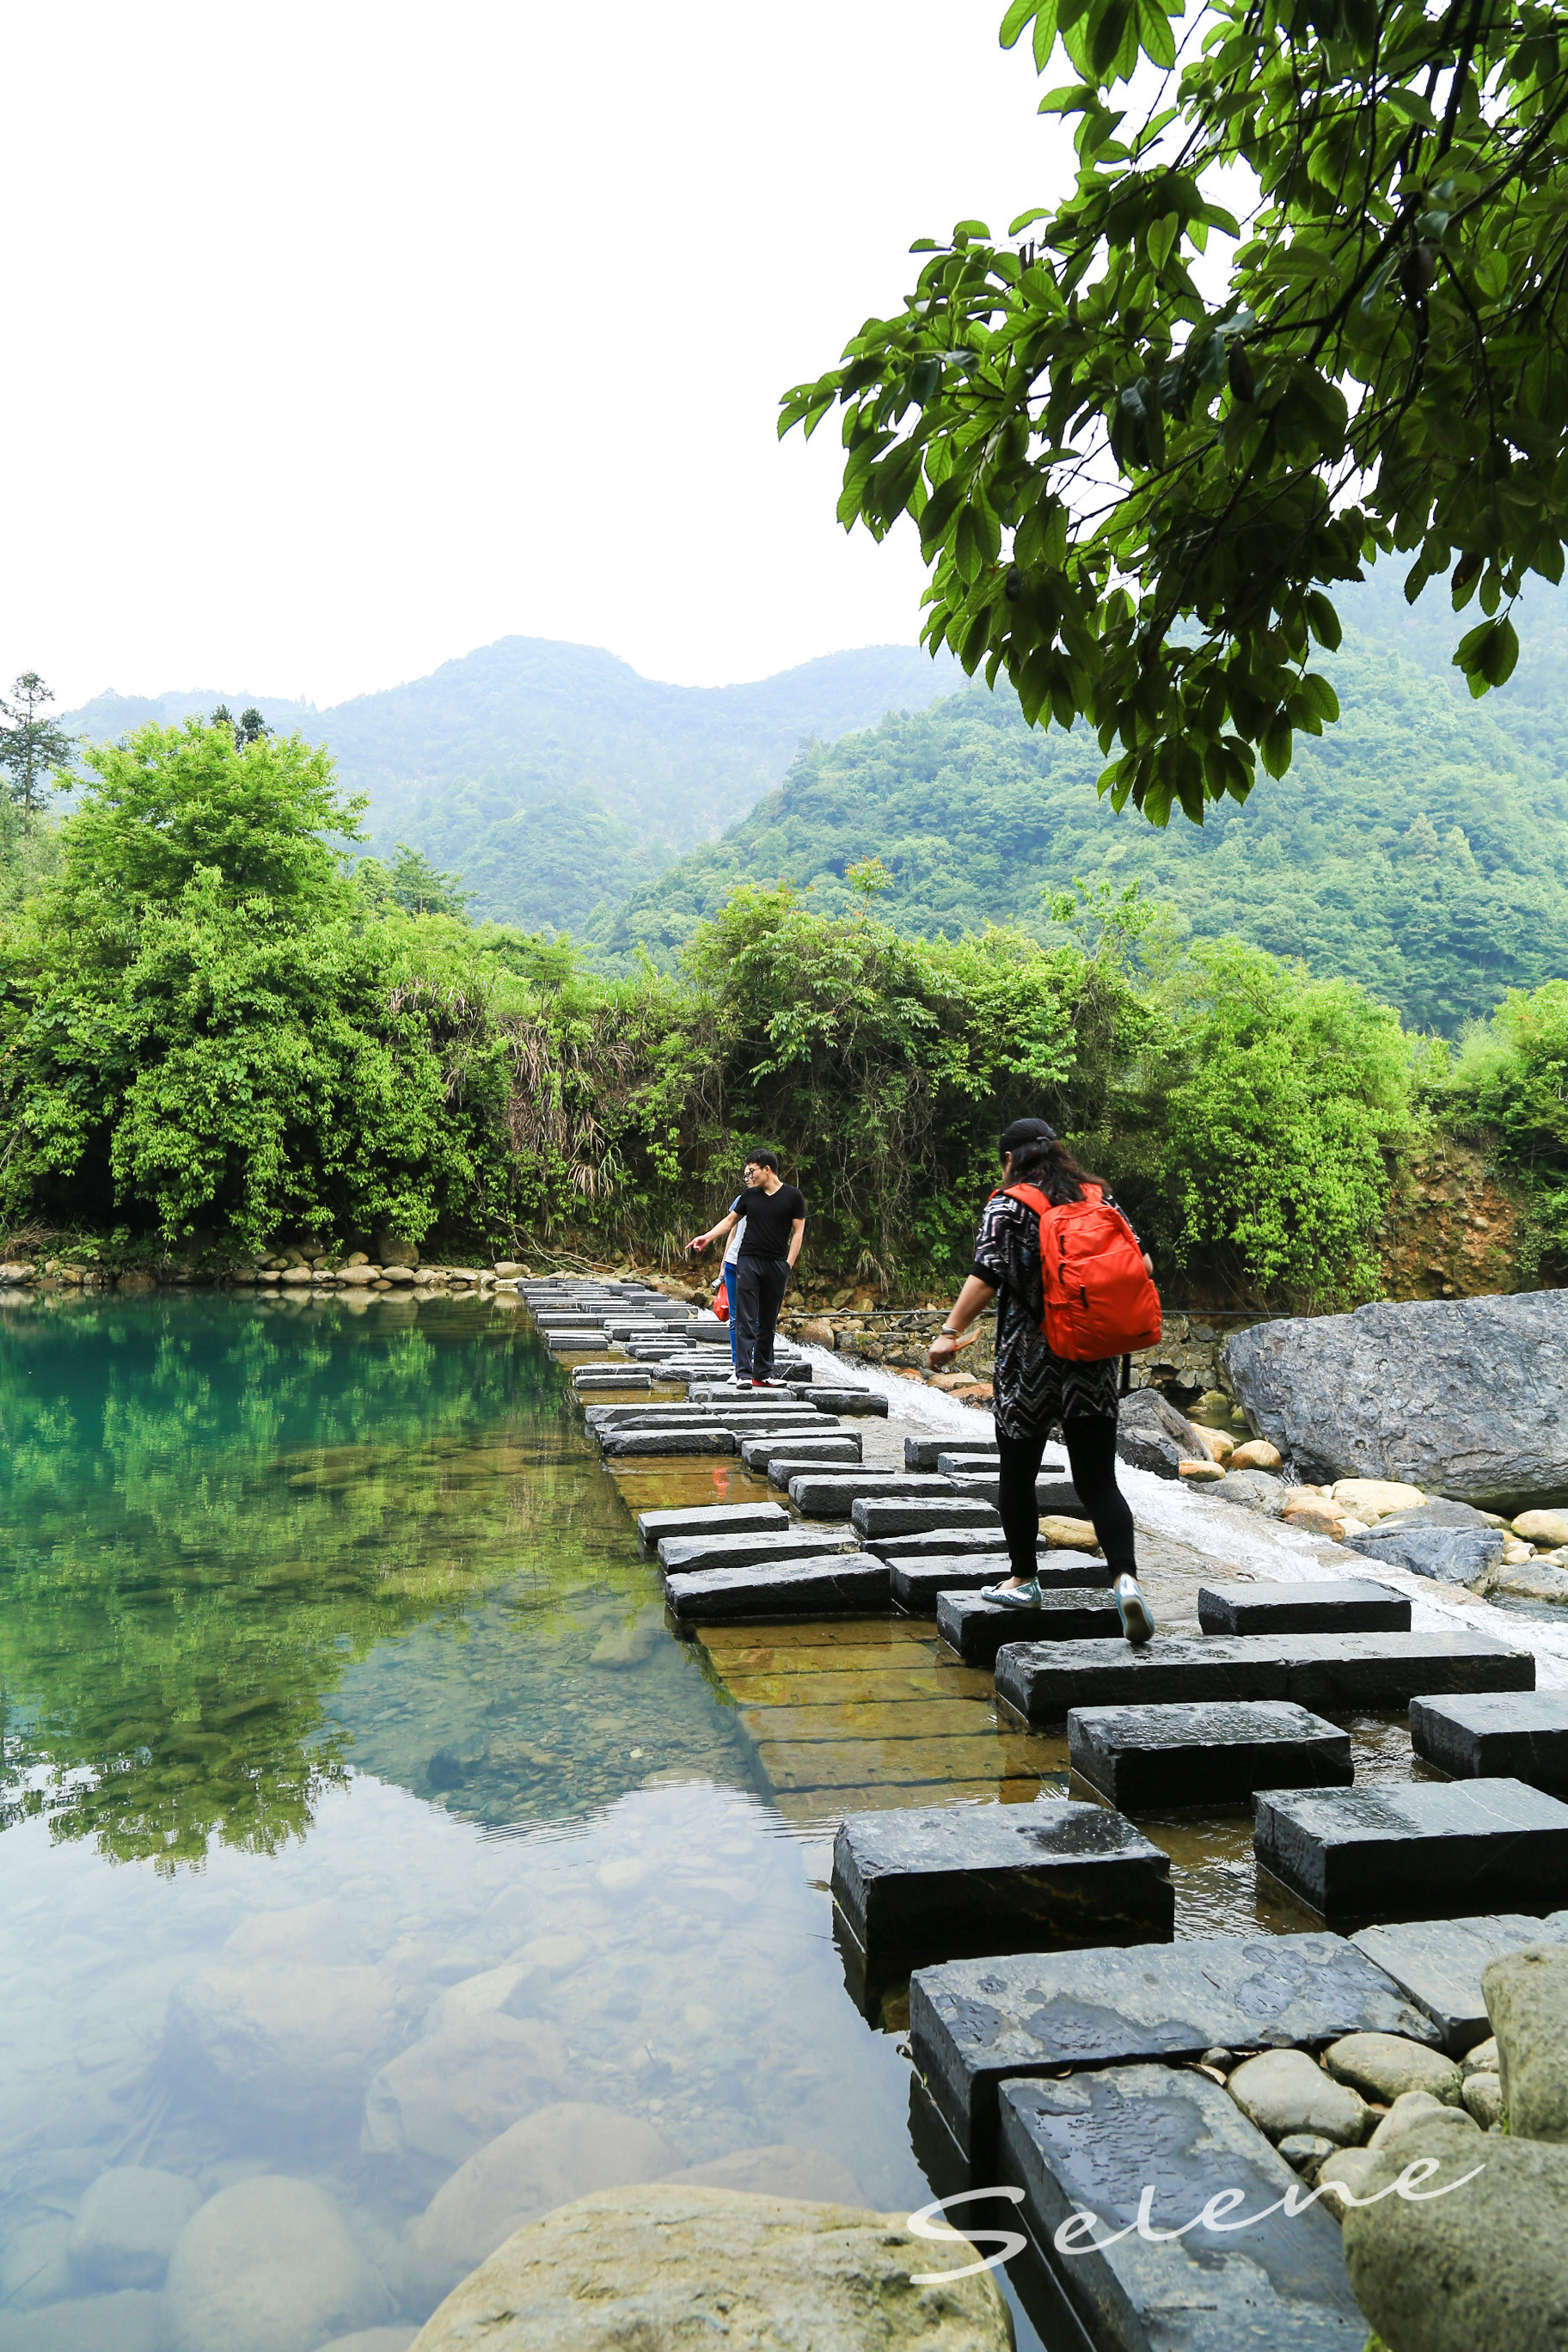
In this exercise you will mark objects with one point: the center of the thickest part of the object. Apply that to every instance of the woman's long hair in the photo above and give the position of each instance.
(1052, 1170)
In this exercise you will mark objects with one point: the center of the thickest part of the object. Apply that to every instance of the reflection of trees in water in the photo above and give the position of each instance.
(211, 1512)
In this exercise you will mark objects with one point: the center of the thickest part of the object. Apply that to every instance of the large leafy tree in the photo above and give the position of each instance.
(1136, 496)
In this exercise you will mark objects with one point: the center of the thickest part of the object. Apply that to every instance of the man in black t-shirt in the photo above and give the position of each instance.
(775, 1227)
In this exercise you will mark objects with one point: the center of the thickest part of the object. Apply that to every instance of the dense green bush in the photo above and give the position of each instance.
(211, 1022)
(1509, 1084)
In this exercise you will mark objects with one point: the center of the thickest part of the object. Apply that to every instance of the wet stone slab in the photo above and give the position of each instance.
(926, 1452)
(975, 2024)
(1051, 1495)
(828, 1495)
(862, 1403)
(712, 1518)
(1519, 1735)
(837, 1447)
(1403, 1853)
(918, 1583)
(783, 1468)
(955, 1543)
(1347, 1606)
(692, 1439)
(1099, 2144)
(977, 1630)
(1213, 1752)
(1347, 1670)
(701, 1555)
(1438, 1963)
(842, 1584)
(917, 1888)
(886, 1515)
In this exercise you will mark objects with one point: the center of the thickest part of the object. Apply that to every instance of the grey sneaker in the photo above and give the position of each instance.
(1014, 1596)
(1137, 1617)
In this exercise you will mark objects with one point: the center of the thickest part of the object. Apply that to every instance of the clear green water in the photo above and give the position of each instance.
(355, 1809)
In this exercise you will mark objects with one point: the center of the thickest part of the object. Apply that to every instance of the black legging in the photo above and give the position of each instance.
(1090, 1442)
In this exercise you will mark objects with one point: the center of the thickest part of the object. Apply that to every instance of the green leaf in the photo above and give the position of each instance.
(1274, 749)
(1014, 22)
(1322, 619)
(1162, 237)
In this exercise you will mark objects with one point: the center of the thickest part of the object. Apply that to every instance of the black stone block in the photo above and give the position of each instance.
(917, 1583)
(1345, 1606)
(1051, 1495)
(1096, 2144)
(701, 1555)
(831, 1494)
(1404, 1852)
(1517, 1735)
(1212, 1752)
(978, 1629)
(694, 1438)
(834, 1584)
(780, 1464)
(834, 1449)
(886, 1515)
(925, 1453)
(855, 1403)
(912, 1888)
(975, 2024)
(951, 1543)
(712, 1518)
(1438, 1963)
(1342, 1670)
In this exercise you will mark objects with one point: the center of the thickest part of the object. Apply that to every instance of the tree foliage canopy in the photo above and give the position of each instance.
(1135, 499)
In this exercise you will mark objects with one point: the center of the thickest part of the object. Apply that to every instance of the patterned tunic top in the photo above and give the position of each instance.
(1031, 1388)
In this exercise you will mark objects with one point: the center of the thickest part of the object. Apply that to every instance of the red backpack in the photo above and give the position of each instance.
(1100, 1301)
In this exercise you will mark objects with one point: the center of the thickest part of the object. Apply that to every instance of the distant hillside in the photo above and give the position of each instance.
(1419, 847)
(553, 776)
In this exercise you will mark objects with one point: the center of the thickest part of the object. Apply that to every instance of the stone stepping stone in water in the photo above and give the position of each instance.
(836, 1450)
(982, 1543)
(926, 1452)
(620, 1442)
(712, 1518)
(1438, 1963)
(577, 1343)
(1050, 1494)
(1522, 1735)
(978, 1630)
(703, 1555)
(825, 1495)
(975, 2024)
(590, 1382)
(862, 1403)
(708, 1332)
(843, 1584)
(919, 1583)
(1217, 1752)
(885, 1515)
(1346, 1606)
(1393, 1852)
(783, 1468)
(1093, 2143)
(1043, 1680)
(942, 1881)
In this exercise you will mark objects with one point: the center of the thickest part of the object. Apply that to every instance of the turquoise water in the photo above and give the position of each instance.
(375, 1870)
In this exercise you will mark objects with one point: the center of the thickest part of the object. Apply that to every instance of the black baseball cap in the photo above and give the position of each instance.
(1027, 1131)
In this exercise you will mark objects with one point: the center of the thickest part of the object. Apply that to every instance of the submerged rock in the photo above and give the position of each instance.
(453, 2092)
(270, 2266)
(1462, 1396)
(287, 2039)
(126, 2226)
(687, 2266)
(780, 2171)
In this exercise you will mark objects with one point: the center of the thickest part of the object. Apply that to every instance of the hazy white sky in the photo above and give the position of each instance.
(346, 338)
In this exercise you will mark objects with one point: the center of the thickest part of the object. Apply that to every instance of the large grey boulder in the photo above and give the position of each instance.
(1482, 2270)
(1527, 1999)
(1467, 1396)
(678, 2265)
(1449, 1555)
(1151, 1434)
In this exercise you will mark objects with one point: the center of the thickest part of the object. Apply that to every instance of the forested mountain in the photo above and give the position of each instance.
(1419, 847)
(553, 775)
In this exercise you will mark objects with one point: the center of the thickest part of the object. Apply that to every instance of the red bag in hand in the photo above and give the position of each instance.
(1100, 1301)
(721, 1304)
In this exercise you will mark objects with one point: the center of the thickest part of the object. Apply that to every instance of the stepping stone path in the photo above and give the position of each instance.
(983, 1542)
(828, 1495)
(1042, 1680)
(1216, 1752)
(1523, 1735)
(1345, 1607)
(919, 1583)
(843, 1584)
(712, 1518)
(1094, 2144)
(1392, 1852)
(782, 1462)
(975, 2024)
(1438, 1963)
(977, 1630)
(704, 1555)
(910, 1888)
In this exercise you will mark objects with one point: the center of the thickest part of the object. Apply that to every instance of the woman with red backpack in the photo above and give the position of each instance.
(1074, 1293)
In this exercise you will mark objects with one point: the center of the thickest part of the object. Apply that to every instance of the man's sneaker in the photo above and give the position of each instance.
(1137, 1617)
(1014, 1596)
